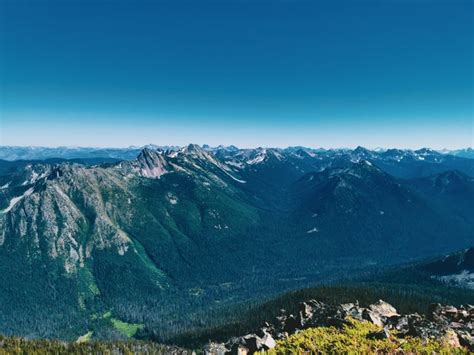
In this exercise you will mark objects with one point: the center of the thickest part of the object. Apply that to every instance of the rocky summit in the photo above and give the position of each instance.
(454, 326)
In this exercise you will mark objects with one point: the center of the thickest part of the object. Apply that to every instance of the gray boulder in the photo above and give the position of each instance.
(380, 313)
(268, 342)
(384, 309)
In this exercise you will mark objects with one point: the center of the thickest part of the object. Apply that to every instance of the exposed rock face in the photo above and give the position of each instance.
(66, 211)
(151, 164)
(455, 325)
(59, 208)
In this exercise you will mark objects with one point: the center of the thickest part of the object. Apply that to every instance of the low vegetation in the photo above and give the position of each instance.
(355, 339)
(127, 329)
(352, 338)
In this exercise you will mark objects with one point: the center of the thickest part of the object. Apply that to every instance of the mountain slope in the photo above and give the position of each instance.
(370, 212)
(454, 270)
(452, 190)
(119, 235)
(176, 235)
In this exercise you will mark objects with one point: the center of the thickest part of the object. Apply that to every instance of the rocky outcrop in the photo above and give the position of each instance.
(150, 163)
(455, 325)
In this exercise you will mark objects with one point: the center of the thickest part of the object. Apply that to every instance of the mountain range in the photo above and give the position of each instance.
(161, 238)
(12, 153)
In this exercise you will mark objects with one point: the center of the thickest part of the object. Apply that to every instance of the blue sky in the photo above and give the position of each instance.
(393, 73)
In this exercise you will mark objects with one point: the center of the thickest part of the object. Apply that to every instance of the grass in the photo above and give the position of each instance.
(128, 329)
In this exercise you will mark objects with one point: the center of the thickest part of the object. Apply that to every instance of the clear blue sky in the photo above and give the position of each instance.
(391, 73)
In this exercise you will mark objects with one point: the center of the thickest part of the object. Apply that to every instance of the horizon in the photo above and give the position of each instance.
(371, 73)
(236, 146)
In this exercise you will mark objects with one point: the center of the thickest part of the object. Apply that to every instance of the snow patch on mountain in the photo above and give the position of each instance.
(5, 186)
(235, 179)
(172, 198)
(17, 199)
(465, 278)
(258, 159)
(236, 164)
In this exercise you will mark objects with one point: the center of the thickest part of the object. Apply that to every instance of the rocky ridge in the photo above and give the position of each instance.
(452, 324)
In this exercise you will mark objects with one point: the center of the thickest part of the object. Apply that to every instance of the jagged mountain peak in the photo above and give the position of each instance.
(257, 156)
(302, 153)
(360, 149)
(362, 153)
(147, 152)
(196, 153)
(191, 147)
(426, 151)
(193, 151)
(151, 163)
(360, 169)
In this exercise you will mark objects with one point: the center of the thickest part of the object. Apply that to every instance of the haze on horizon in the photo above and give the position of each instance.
(276, 74)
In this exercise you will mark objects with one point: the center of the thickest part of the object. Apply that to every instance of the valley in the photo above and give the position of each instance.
(177, 239)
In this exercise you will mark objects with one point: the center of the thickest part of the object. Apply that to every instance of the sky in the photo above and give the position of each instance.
(380, 73)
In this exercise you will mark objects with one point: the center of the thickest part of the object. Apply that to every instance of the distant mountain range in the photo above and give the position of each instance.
(97, 240)
(40, 153)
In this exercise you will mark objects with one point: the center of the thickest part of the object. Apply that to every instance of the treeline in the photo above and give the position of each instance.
(15, 345)
(407, 298)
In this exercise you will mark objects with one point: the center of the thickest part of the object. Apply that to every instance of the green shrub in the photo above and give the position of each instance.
(353, 339)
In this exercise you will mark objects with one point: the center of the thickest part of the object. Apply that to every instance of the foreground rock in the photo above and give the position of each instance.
(454, 325)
